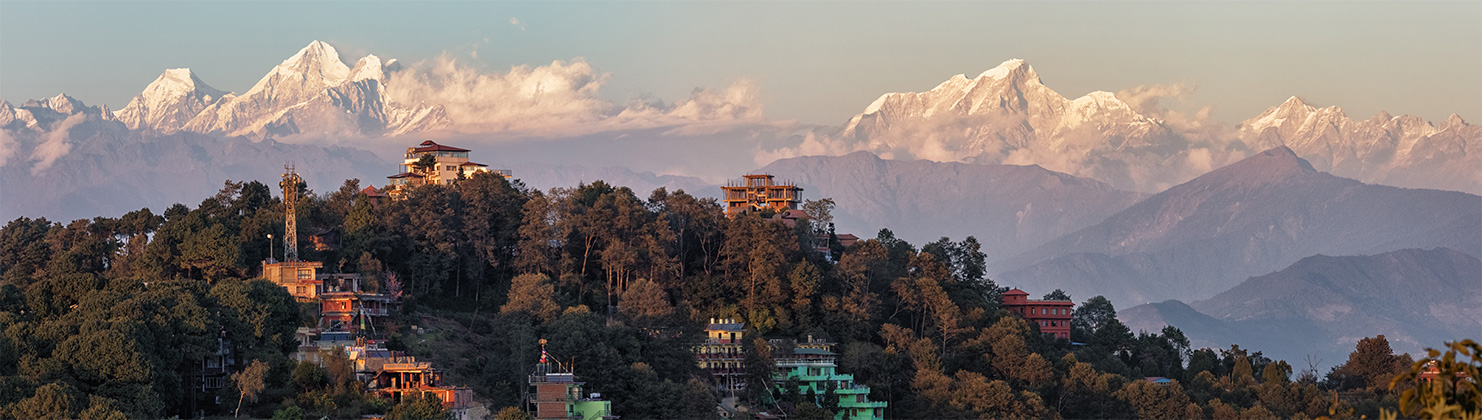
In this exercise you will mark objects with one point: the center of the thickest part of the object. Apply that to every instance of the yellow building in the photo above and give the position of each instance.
(300, 278)
(759, 192)
(721, 354)
(451, 161)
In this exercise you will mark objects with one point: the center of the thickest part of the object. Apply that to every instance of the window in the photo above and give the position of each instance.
(452, 168)
(305, 274)
(300, 290)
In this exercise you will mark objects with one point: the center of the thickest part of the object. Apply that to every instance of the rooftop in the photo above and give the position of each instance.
(432, 146)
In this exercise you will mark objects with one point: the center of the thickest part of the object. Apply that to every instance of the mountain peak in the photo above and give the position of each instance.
(1013, 69)
(181, 81)
(1274, 164)
(1454, 121)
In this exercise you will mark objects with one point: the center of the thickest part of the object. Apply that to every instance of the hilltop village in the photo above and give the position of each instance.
(455, 292)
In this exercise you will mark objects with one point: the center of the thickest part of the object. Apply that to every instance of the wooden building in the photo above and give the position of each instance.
(761, 192)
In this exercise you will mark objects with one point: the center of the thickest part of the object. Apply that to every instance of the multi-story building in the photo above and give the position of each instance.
(555, 394)
(760, 192)
(813, 364)
(345, 307)
(721, 355)
(405, 377)
(450, 163)
(300, 278)
(1053, 316)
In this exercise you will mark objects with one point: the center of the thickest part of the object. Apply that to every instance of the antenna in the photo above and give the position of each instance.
(289, 185)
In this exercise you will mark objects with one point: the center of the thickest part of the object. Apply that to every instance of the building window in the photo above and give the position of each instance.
(305, 274)
(300, 290)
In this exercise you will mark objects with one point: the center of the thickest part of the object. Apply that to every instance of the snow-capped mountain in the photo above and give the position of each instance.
(311, 92)
(44, 114)
(1403, 150)
(169, 102)
(1007, 115)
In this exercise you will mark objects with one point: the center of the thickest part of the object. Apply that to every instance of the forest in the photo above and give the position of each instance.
(111, 317)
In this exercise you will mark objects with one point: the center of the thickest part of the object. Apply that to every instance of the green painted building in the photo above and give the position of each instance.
(812, 364)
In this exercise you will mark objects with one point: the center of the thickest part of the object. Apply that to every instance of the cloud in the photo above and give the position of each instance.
(7, 146)
(517, 23)
(526, 98)
(1144, 98)
(561, 98)
(55, 145)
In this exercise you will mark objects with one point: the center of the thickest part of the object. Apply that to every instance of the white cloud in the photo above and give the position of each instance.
(7, 146)
(561, 98)
(55, 145)
(517, 23)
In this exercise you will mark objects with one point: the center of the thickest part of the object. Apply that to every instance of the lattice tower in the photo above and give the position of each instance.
(290, 199)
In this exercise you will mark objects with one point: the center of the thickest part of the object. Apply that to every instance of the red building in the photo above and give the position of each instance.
(1053, 316)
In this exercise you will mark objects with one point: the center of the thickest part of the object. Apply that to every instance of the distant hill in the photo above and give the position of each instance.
(103, 169)
(1008, 207)
(1323, 305)
(1252, 217)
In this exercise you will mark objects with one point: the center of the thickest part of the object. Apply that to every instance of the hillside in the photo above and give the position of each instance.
(1252, 217)
(1008, 207)
(1323, 305)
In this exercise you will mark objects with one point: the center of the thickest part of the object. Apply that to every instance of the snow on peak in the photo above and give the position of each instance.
(368, 68)
(1005, 68)
(177, 82)
(1455, 121)
(316, 66)
(875, 106)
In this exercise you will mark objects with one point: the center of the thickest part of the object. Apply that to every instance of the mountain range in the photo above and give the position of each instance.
(1008, 115)
(1322, 306)
(311, 92)
(1255, 216)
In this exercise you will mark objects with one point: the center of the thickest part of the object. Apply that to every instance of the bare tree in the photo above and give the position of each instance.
(250, 382)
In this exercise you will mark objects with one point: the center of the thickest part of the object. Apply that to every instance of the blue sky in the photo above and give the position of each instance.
(816, 62)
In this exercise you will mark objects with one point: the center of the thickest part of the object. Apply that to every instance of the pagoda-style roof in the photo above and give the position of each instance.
(406, 175)
(432, 146)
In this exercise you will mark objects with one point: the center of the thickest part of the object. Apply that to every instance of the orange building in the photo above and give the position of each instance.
(343, 306)
(300, 278)
(408, 378)
(1053, 316)
(760, 192)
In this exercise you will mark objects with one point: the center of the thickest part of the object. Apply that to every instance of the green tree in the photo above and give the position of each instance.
(645, 301)
(418, 407)
(1091, 316)
(1057, 294)
(1372, 363)
(1155, 401)
(512, 413)
(249, 382)
(308, 376)
(532, 294)
(425, 164)
(57, 400)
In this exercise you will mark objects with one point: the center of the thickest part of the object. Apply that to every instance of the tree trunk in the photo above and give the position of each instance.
(238, 413)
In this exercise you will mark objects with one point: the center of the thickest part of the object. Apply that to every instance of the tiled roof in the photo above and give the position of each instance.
(431, 146)
(406, 175)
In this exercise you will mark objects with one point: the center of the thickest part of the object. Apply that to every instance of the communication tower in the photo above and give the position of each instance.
(290, 185)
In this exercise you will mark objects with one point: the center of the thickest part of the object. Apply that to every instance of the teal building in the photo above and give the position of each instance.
(812, 364)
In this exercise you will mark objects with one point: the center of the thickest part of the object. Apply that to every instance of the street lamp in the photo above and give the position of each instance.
(270, 248)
